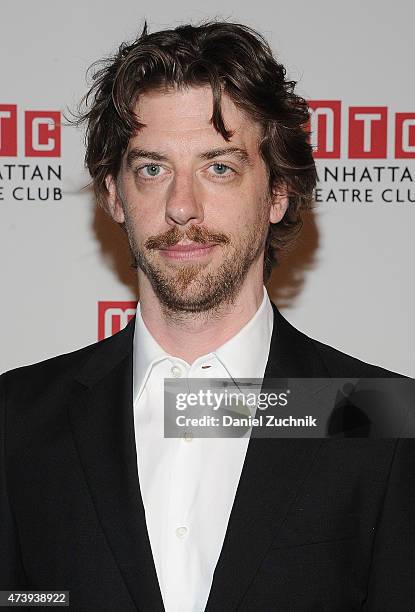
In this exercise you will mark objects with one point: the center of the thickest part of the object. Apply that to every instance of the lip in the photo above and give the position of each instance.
(187, 251)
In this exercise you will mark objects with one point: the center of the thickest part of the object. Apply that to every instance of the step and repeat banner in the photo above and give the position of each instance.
(66, 275)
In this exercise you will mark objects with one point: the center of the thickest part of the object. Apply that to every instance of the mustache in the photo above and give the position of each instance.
(194, 233)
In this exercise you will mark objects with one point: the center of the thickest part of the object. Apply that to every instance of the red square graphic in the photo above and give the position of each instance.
(114, 316)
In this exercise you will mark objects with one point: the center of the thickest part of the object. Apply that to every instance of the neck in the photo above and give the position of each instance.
(190, 335)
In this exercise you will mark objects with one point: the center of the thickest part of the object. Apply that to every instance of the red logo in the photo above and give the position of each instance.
(8, 130)
(325, 127)
(367, 131)
(42, 132)
(405, 135)
(114, 316)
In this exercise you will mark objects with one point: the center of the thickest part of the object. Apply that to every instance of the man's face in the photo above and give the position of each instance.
(196, 207)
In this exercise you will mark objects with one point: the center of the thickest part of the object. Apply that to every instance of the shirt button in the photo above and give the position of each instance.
(187, 436)
(176, 371)
(181, 532)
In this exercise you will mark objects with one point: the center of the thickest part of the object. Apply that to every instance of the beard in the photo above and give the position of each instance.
(193, 288)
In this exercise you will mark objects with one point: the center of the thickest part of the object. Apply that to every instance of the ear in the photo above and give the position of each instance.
(114, 204)
(279, 203)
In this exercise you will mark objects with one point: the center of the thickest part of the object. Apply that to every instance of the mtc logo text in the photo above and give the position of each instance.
(367, 131)
(114, 316)
(42, 132)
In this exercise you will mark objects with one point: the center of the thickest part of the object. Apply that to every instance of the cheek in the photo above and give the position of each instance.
(140, 195)
(144, 215)
(249, 212)
(138, 224)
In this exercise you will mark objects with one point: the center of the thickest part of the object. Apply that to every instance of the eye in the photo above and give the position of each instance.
(220, 169)
(149, 171)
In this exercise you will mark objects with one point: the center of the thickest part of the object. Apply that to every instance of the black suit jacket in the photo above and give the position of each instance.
(316, 524)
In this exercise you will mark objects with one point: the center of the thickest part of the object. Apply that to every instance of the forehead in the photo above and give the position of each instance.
(185, 116)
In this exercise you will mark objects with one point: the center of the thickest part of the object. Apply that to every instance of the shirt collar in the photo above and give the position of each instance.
(245, 355)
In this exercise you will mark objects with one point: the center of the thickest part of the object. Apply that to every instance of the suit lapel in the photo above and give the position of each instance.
(101, 415)
(272, 474)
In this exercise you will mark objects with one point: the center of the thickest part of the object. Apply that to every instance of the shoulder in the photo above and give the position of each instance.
(48, 374)
(340, 364)
(57, 373)
(317, 359)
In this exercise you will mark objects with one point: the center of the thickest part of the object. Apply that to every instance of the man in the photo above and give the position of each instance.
(196, 145)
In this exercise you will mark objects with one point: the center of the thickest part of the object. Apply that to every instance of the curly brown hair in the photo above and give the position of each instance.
(232, 58)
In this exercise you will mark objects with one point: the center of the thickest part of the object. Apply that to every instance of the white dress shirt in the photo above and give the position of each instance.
(188, 485)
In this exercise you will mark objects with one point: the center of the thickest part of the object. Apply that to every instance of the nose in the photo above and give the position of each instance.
(183, 202)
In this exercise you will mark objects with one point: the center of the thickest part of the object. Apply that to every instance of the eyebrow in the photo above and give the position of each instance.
(241, 154)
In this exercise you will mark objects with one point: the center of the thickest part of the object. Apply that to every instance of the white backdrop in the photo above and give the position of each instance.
(349, 283)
